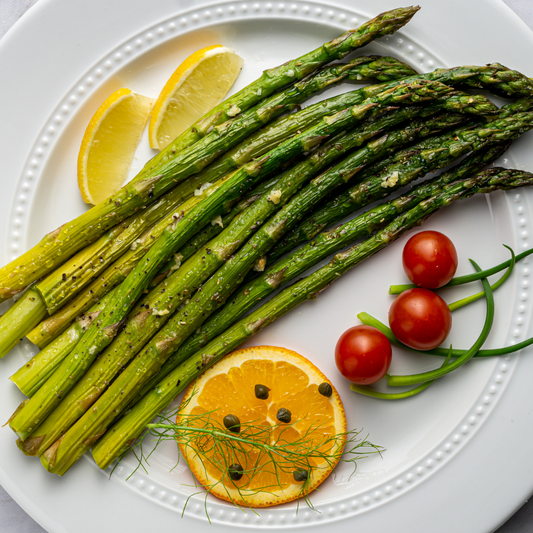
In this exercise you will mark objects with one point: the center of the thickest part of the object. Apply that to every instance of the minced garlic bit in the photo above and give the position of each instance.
(92, 349)
(161, 312)
(290, 73)
(233, 110)
(217, 220)
(260, 264)
(391, 180)
(177, 262)
(134, 245)
(259, 91)
(274, 197)
(200, 190)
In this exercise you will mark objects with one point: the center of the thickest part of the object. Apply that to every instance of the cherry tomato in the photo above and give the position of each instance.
(420, 319)
(363, 354)
(429, 259)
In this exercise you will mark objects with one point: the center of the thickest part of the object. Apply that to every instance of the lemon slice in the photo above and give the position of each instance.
(109, 144)
(200, 83)
(291, 386)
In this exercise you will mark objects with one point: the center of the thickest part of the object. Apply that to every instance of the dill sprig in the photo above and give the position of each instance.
(272, 449)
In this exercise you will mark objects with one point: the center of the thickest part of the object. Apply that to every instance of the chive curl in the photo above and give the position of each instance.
(469, 299)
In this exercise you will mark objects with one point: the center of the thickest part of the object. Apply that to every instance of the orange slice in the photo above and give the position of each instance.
(109, 144)
(316, 433)
(200, 83)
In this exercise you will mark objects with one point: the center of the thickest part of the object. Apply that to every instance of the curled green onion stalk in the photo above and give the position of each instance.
(271, 449)
(425, 379)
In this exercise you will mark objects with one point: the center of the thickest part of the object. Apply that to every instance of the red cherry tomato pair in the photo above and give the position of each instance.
(419, 318)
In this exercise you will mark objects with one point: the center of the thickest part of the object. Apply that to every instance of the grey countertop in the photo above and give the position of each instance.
(12, 518)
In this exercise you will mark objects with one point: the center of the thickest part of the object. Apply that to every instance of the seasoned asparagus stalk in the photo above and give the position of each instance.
(21, 317)
(211, 136)
(121, 437)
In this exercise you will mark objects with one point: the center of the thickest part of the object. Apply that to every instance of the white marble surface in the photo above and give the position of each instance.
(13, 519)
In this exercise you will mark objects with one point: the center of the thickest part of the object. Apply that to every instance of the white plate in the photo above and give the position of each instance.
(455, 455)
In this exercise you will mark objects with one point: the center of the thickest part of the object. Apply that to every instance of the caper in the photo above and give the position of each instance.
(261, 392)
(236, 472)
(325, 389)
(232, 423)
(284, 415)
(300, 475)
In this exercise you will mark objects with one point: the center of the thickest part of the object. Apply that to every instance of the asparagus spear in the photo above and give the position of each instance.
(20, 318)
(149, 315)
(174, 164)
(315, 251)
(120, 437)
(30, 376)
(102, 332)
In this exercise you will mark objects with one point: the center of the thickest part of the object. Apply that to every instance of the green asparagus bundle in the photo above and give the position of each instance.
(323, 158)
(91, 425)
(222, 284)
(210, 136)
(120, 437)
(102, 331)
(150, 315)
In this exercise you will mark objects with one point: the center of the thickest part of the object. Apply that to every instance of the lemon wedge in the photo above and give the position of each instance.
(109, 144)
(200, 83)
